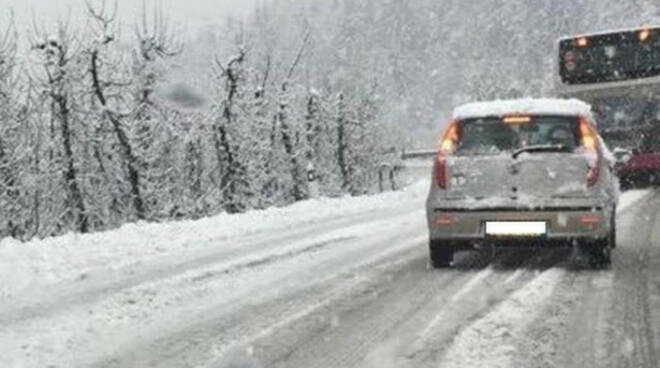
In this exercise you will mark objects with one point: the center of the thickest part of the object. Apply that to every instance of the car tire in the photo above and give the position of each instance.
(441, 253)
(600, 256)
(625, 184)
(600, 252)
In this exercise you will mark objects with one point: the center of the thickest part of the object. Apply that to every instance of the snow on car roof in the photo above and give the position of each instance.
(608, 31)
(531, 106)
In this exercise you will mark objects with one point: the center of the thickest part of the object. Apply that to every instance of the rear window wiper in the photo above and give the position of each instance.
(541, 148)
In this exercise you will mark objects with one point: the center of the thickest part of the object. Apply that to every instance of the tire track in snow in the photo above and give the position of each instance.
(563, 333)
(654, 286)
(296, 248)
(600, 319)
(383, 330)
(368, 283)
(84, 292)
(288, 290)
(473, 303)
(633, 338)
(456, 297)
(364, 320)
(491, 340)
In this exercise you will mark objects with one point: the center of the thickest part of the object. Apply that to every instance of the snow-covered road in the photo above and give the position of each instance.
(328, 283)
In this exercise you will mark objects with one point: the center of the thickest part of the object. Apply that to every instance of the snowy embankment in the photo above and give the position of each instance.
(70, 257)
(632, 197)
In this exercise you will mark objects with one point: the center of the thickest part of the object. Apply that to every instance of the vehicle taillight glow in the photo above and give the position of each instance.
(590, 220)
(589, 141)
(444, 220)
(587, 136)
(517, 119)
(449, 139)
(447, 147)
(440, 171)
(644, 35)
(582, 42)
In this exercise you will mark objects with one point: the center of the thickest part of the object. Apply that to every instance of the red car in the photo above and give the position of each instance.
(643, 168)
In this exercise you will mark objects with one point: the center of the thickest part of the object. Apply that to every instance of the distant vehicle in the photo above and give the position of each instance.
(522, 172)
(618, 72)
(643, 166)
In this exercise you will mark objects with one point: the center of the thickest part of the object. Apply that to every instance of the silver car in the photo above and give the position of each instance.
(530, 172)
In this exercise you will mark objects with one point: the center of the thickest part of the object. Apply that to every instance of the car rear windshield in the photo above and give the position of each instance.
(491, 135)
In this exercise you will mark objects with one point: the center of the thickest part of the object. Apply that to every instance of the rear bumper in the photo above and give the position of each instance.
(562, 223)
(487, 243)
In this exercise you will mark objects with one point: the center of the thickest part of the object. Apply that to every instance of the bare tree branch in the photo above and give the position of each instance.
(299, 55)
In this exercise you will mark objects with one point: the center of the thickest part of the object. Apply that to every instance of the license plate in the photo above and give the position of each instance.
(516, 228)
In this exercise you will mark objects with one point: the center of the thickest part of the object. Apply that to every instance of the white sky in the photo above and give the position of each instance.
(187, 14)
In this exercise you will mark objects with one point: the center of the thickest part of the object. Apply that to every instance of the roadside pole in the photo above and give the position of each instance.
(313, 184)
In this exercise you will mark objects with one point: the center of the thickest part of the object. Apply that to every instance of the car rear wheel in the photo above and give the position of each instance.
(625, 183)
(600, 253)
(600, 256)
(441, 253)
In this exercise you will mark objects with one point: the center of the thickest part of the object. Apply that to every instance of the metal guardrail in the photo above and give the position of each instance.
(393, 165)
(408, 155)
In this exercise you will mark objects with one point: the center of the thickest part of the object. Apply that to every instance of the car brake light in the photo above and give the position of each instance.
(644, 34)
(515, 119)
(447, 147)
(444, 220)
(587, 136)
(590, 220)
(449, 139)
(589, 141)
(581, 42)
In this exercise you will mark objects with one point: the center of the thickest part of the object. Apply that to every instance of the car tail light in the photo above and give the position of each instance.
(581, 42)
(593, 175)
(444, 220)
(590, 220)
(589, 142)
(644, 34)
(440, 171)
(447, 147)
(517, 119)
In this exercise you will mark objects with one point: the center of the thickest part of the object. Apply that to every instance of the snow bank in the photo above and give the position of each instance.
(532, 106)
(72, 256)
(632, 197)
